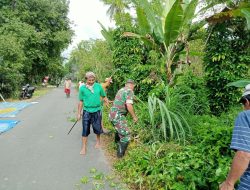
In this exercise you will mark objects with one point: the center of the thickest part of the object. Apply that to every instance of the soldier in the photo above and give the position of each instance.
(123, 104)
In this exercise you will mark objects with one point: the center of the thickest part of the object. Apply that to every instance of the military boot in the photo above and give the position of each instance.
(121, 148)
(117, 138)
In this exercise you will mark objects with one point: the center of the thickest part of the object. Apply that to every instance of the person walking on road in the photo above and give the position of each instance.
(123, 104)
(90, 102)
(240, 167)
(67, 86)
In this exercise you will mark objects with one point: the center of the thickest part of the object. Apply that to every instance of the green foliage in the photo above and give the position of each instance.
(32, 36)
(132, 60)
(165, 27)
(90, 55)
(234, 9)
(193, 93)
(11, 59)
(100, 181)
(84, 180)
(226, 59)
(246, 13)
(117, 11)
(168, 118)
(201, 165)
(173, 23)
(239, 83)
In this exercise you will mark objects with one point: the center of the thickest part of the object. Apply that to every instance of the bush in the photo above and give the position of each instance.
(132, 60)
(168, 119)
(193, 92)
(202, 165)
(226, 59)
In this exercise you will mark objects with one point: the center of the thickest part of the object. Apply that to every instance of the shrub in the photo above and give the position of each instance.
(169, 120)
(202, 165)
(133, 60)
(193, 93)
(226, 58)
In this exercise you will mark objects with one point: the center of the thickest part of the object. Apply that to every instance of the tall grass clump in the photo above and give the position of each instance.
(169, 117)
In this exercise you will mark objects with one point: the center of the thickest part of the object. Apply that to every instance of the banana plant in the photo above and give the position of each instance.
(167, 32)
(239, 83)
(106, 34)
(238, 9)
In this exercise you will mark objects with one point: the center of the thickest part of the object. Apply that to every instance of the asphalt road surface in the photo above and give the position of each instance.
(38, 154)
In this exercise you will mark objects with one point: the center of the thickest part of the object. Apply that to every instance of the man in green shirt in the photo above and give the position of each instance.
(90, 102)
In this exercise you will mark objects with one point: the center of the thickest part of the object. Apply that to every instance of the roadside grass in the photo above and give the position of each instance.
(40, 91)
(100, 181)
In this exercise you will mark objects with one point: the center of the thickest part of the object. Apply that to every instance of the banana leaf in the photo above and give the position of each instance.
(239, 83)
(173, 22)
(142, 21)
(246, 13)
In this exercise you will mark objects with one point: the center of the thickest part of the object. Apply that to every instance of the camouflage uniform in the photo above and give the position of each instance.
(118, 113)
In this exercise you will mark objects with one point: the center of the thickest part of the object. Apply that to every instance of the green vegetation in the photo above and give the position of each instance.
(40, 92)
(91, 55)
(201, 165)
(186, 108)
(170, 120)
(100, 181)
(33, 35)
(226, 59)
(183, 135)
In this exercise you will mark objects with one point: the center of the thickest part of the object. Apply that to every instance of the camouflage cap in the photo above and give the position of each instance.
(130, 81)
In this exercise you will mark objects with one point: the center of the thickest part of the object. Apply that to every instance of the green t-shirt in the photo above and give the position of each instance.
(91, 100)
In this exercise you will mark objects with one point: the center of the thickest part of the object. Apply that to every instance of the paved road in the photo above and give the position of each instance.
(39, 155)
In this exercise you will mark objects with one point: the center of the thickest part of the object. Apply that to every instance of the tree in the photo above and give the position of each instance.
(93, 55)
(226, 60)
(229, 9)
(40, 31)
(167, 31)
(116, 7)
(11, 63)
(118, 11)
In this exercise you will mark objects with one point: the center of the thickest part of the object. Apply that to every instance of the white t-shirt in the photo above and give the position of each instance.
(67, 84)
(80, 84)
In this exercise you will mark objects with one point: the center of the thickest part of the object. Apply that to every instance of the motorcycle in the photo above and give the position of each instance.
(27, 91)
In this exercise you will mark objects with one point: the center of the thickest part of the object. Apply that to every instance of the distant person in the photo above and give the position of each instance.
(67, 86)
(80, 83)
(240, 167)
(122, 105)
(90, 104)
(45, 81)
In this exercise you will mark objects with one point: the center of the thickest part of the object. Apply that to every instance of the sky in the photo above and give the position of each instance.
(84, 14)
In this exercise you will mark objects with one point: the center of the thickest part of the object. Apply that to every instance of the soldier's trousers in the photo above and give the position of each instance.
(120, 123)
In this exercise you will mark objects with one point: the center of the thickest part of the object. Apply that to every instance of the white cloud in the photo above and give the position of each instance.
(85, 14)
